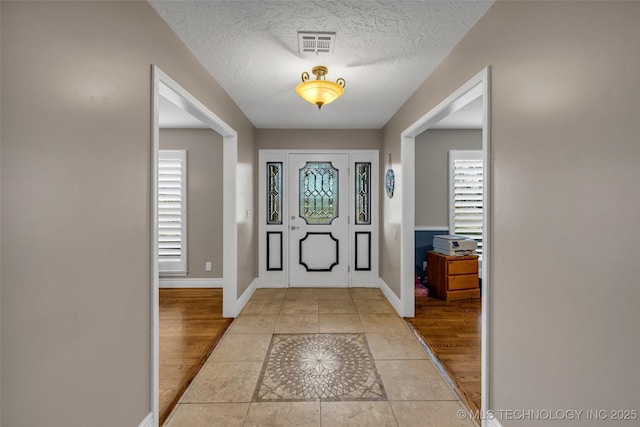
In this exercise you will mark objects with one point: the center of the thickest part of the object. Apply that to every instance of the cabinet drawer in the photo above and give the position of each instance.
(463, 266)
(469, 281)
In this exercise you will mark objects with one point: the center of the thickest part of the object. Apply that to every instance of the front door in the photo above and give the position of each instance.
(317, 218)
(319, 223)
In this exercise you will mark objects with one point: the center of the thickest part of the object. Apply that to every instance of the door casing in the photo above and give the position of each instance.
(163, 84)
(478, 85)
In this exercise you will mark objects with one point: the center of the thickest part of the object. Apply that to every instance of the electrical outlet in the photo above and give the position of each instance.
(208, 266)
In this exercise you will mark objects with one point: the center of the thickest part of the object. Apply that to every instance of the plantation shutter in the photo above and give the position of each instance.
(172, 211)
(466, 183)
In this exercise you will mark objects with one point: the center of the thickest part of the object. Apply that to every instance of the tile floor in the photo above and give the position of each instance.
(272, 368)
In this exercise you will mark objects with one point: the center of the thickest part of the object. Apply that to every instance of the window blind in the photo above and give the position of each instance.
(466, 191)
(172, 211)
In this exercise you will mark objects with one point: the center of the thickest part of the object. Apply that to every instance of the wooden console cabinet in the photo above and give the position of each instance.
(453, 277)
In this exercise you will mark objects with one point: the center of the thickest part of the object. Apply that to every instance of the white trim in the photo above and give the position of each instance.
(391, 296)
(147, 421)
(154, 265)
(479, 85)
(246, 296)
(430, 228)
(162, 84)
(487, 243)
(491, 422)
(407, 226)
(230, 228)
(191, 283)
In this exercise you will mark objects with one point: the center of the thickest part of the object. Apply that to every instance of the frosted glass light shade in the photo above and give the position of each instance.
(319, 92)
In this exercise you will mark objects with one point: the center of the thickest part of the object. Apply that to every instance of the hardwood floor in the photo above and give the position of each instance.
(452, 330)
(191, 323)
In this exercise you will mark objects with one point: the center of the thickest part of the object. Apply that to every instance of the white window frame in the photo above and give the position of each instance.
(173, 265)
(474, 155)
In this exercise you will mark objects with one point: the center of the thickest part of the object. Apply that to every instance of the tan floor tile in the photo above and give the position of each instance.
(357, 414)
(241, 348)
(373, 306)
(339, 323)
(284, 414)
(399, 345)
(262, 306)
(253, 324)
(418, 394)
(224, 382)
(307, 294)
(413, 380)
(208, 415)
(297, 324)
(367, 293)
(336, 306)
(268, 293)
(382, 323)
(334, 293)
(411, 414)
(300, 306)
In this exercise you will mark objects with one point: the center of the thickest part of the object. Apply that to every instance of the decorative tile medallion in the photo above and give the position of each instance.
(327, 367)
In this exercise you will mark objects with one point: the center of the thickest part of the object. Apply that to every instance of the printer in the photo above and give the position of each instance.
(454, 245)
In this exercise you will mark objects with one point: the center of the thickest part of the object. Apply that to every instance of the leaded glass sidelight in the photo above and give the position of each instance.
(318, 198)
(274, 193)
(363, 193)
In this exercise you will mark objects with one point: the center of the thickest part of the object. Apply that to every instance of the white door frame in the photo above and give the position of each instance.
(164, 85)
(477, 86)
(361, 277)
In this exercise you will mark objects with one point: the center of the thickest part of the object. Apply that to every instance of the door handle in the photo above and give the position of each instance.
(293, 227)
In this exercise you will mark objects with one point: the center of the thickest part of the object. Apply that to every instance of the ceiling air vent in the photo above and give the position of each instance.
(316, 42)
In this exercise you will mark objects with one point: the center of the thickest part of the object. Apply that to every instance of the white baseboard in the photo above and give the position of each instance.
(147, 421)
(183, 282)
(246, 296)
(391, 297)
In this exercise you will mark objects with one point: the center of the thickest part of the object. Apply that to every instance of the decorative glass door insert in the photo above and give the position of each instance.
(274, 193)
(363, 193)
(318, 196)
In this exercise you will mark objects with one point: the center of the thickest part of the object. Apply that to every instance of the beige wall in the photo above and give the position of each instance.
(320, 139)
(76, 91)
(565, 155)
(432, 171)
(204, 195)
(0, 217)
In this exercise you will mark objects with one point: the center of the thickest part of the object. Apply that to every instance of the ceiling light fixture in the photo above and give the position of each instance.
(320, 91)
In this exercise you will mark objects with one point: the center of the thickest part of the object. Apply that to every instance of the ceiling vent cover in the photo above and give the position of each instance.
(316, 42)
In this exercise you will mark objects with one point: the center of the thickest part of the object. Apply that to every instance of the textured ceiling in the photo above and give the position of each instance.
(383, 49)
